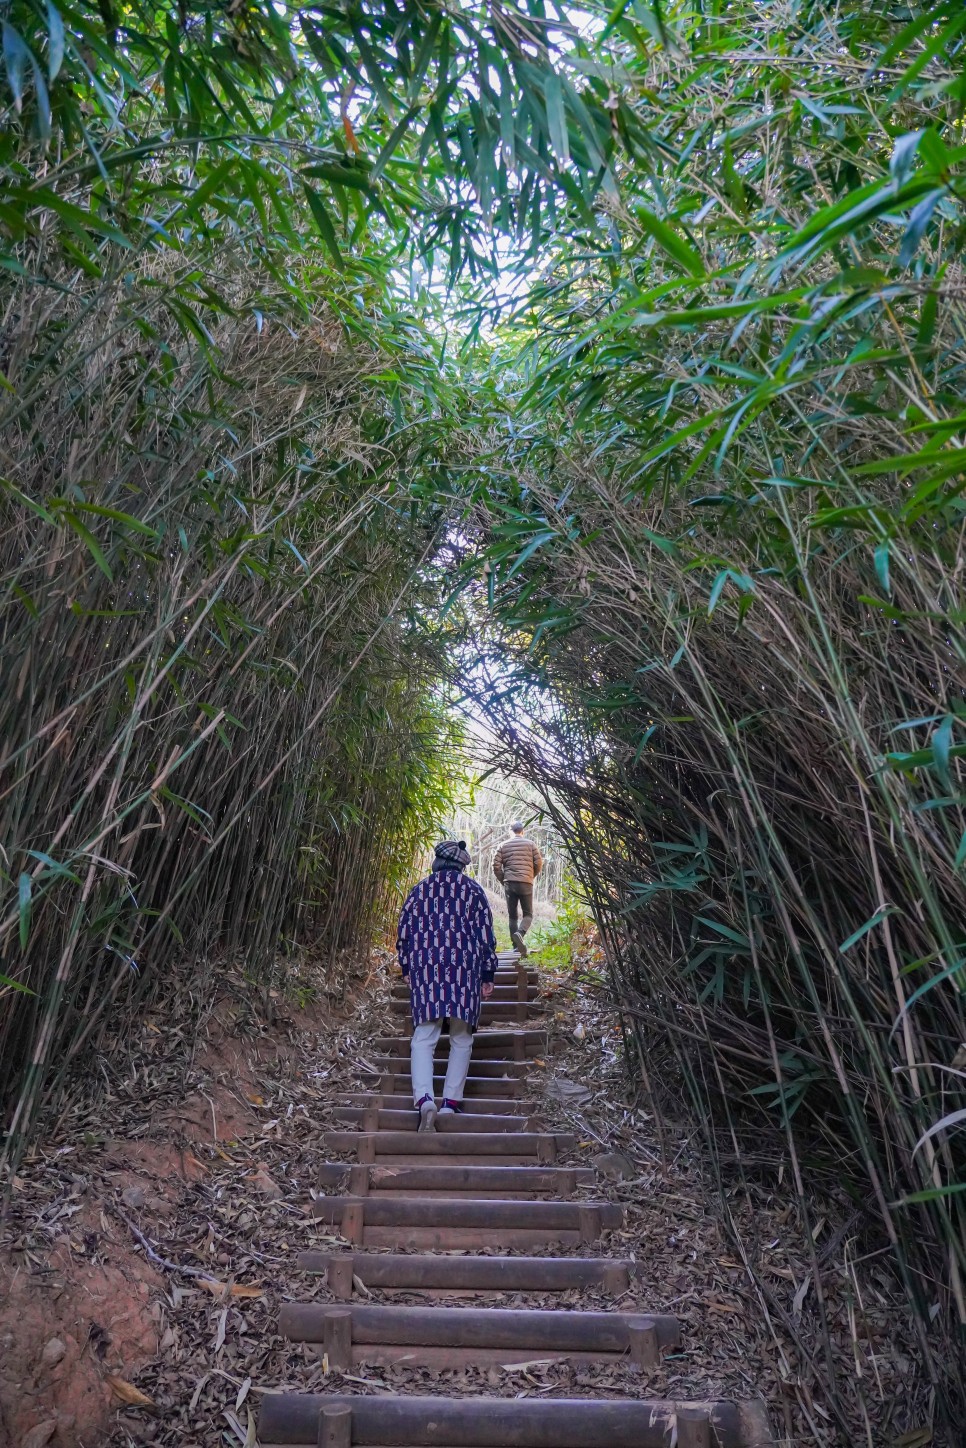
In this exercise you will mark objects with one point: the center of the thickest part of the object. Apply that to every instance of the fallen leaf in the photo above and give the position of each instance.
(40, 1435)
(199, 1387)
(255, 1099)
(243, 1289)
(268, 1188)
(222, 1329)
(129, 1394)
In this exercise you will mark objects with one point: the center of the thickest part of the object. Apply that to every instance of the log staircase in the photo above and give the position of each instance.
(489, 1179)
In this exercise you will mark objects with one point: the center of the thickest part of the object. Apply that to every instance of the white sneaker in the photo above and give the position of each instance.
(519, 945)
(427, 1116)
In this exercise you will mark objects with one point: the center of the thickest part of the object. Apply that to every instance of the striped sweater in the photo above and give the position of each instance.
(446, 947)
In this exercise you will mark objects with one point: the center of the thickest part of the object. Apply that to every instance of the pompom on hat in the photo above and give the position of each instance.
(451, 854)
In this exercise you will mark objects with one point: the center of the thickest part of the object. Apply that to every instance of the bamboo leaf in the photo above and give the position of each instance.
(55, 41)
(946, 1123)
(24, 907)
(324, 223)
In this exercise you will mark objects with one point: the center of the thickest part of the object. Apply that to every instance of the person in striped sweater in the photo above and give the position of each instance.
(516, 865)
(447, 951)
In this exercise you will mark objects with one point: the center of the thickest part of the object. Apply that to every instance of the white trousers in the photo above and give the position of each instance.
(424, 1041)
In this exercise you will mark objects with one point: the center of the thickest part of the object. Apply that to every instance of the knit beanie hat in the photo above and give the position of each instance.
(451, 855)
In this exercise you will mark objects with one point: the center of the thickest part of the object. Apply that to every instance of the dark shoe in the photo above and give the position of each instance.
(519, 945)
(427, 1114)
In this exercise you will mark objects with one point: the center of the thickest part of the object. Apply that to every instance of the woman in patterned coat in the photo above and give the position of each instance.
(447, 950)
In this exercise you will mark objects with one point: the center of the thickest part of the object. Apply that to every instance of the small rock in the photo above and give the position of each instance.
(134, 1197)
(54, 1352)
(263, 1183)
(580, 1031)
(614, 1166)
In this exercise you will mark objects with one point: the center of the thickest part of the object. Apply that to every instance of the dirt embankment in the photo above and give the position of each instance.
(133, 1164)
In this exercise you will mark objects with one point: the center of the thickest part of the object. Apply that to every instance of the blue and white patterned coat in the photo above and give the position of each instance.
(446, 947)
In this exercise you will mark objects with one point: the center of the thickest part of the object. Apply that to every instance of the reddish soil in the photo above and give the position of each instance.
(81, 1307)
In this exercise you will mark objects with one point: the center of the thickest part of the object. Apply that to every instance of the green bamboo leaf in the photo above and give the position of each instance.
(934, 1194)
(17, 59)
(556, 117)
(24, 905)
(55, 41)
(96, 552)
(882, 565)
(870, 924)
(54, 866)
(16, 985)
(669, 241)
(956, 969)
(336, 173)
(324, 223)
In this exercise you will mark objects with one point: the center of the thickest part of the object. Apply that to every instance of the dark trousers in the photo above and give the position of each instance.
(519, 896)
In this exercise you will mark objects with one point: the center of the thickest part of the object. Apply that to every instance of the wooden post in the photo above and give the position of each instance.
(568, 1183)
(335, 1427)
(523, 984)
(616, 1279)
(589, 1219)
(387, 1084)
(370, 1118)
(694, 1428)
(353, 1223)
(337, 1338)
(359, 1181)
(546, 1149)
(645, 1352)
(338, 1275)
(519, 1047)
(367, 1148)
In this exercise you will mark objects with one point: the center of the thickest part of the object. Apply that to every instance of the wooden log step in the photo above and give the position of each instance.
(495, 1042)
(470, 1274)
(480, 1070)
(472, 1106)
(503, 1181)
(588, 1218)
(430, 1422)
(375, 1119)
(544, 1146)
(460, 1336)
(489, 1011)
(501, 992)
(400, 1084)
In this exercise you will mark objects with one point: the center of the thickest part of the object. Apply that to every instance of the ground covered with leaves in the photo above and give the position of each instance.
(153, 1235)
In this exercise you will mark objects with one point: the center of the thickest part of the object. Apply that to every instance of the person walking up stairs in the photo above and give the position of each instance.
(516, 865)
(447, 951)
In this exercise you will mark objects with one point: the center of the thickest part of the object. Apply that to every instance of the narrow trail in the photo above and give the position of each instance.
(470, 1212)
